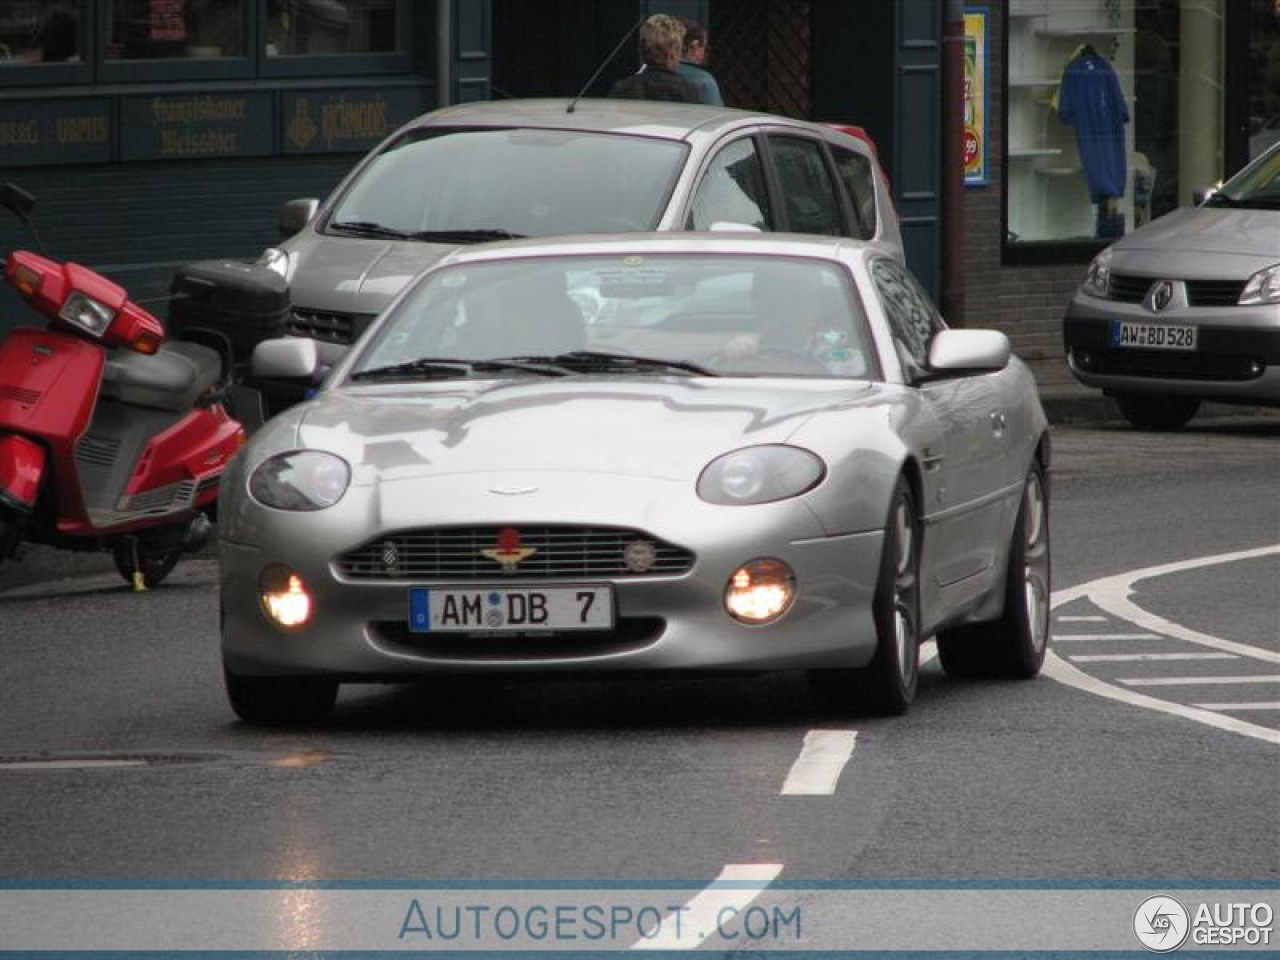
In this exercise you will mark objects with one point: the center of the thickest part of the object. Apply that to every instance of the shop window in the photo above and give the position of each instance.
(152, 29)
(312, 27)
(1264, 78)
(42, 41)
(1114, 115)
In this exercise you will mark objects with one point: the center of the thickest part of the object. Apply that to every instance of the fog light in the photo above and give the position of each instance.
(285, 598)
(760, 591)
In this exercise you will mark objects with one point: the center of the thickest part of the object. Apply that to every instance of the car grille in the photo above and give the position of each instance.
(458, 553)
(327, 325)
(1167, 365)
(1200, 293)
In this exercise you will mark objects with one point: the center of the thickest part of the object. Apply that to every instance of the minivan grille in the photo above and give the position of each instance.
(328, 325)
(1200, 293)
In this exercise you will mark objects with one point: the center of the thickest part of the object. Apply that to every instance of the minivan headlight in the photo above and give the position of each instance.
(1263, 287)
(1098, 277)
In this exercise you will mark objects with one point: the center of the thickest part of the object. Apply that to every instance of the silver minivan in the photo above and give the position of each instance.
(1187, 308)
(529, 168)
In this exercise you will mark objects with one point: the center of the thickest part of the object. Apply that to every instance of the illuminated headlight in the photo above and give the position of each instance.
(276, 260)
(760, 475)
(760, 591)
(301, 480)
(1098, 277)
(88, 314)
(1263, 287)
(284, 596)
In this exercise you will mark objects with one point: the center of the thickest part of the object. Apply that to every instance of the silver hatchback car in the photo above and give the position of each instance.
(1187, 308)
(536, 168)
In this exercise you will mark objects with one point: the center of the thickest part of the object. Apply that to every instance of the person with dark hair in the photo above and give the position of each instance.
(57, 37)
(693, 61)
(661, 42)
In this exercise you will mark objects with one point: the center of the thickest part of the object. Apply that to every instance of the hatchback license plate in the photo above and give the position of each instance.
(509, 609)
(1157, 336)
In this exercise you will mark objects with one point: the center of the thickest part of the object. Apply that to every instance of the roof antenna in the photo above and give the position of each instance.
(600, 69)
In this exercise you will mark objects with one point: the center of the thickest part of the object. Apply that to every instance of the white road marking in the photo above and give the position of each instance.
(1147, 657)
(1257, 705)
(1106, 636)
(1112, 595)
(1082, 618)
(1191, 681)
(822, 758)
(1064, 672)
(735, 888)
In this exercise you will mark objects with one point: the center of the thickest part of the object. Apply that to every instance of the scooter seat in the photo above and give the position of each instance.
(173, 378)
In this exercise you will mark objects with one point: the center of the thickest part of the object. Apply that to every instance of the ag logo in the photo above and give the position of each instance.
(1161, 924)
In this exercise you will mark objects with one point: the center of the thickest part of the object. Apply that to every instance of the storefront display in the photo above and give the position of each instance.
(1114, 114)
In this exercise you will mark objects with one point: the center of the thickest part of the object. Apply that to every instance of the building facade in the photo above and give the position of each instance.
(157, 132)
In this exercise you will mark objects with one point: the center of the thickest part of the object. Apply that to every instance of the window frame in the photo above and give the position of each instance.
(94, 67)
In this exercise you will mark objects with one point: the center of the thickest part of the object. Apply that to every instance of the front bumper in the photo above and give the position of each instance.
(1236, 360)
(666, 622)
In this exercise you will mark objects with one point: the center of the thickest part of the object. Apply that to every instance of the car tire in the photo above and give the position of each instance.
(1014, 646)
(280, 701)
(887, 684)
(1157, 412)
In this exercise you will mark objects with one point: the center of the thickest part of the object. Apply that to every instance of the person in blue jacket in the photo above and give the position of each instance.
(693, 60)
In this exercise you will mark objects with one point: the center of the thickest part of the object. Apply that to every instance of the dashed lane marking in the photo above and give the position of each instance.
(735, 888)
(817, 770)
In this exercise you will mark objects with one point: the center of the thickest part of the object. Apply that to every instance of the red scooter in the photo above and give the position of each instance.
(110, 438)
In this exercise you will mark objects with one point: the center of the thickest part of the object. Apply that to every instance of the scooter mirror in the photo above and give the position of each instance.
(13, 197)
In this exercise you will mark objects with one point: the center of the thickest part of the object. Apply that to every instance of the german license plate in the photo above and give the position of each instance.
(1157, 336)
(509, 609)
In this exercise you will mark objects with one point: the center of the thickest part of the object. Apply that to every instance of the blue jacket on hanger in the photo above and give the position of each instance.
(1090, 99)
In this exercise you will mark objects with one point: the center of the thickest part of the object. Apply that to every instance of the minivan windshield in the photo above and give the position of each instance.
(477, 184)
(1257, 186)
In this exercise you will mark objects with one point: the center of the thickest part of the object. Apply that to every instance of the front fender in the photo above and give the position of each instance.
(22, 466)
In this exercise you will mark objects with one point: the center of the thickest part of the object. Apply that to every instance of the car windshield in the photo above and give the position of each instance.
(1257, 186)
(460, 185)
(619, 315)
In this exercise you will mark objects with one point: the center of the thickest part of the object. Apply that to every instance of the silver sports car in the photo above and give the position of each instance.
(662, 452)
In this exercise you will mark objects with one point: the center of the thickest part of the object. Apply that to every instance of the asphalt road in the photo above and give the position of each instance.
(1136, 758)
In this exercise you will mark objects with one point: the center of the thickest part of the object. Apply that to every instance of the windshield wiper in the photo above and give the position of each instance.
(463, 236)
(367, 228)
(624, 361)
(443, 368)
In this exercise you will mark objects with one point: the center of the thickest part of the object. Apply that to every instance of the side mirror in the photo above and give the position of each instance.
(285, 358)
(1204, 193)
(969, 351)
(295, 215)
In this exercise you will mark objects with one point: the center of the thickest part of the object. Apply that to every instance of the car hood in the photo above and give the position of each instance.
(354, 275)
(1205, 241)
(666, 429)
